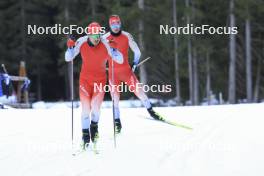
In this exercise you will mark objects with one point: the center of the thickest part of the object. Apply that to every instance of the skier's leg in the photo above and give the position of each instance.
(132, 82)
(116, 95)
(85, 99)
(118, 124)
(96, 103)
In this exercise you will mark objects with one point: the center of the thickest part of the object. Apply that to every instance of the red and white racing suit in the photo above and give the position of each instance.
(93, 71)
(123, 72)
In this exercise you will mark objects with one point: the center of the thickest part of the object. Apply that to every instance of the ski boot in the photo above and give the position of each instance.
(94, 131)
(118, 126)
(85, 138)
(155, 115)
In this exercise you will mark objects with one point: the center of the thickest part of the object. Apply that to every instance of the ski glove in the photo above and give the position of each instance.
(70, 43)
(134, 67)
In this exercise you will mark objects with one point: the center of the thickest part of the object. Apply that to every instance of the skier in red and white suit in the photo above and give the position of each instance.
(122, 41)
(94, 53)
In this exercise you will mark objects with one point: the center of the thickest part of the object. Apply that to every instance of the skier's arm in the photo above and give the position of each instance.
(116, 55)
(74, 49)
(134, 47)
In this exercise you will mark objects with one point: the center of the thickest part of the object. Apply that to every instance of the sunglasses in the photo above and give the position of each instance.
(115, 26)
(95, 36)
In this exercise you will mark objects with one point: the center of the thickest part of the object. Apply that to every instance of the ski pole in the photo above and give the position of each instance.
(142, 62)
(70, 66)
(71, 84)
(113, 102)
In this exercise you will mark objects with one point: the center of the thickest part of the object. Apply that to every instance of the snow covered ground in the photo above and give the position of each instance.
(225, 140)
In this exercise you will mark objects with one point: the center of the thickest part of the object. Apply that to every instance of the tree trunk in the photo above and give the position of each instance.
(190, 69)
(232, 55)
(142, 69)
(39, 87)
(195, 78)
(257, 84)
(248, 61)
(208, 78)
(93, 7)
(23, 38)
(177, 79)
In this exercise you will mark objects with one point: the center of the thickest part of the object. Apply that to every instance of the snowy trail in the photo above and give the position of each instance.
(225, 140)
